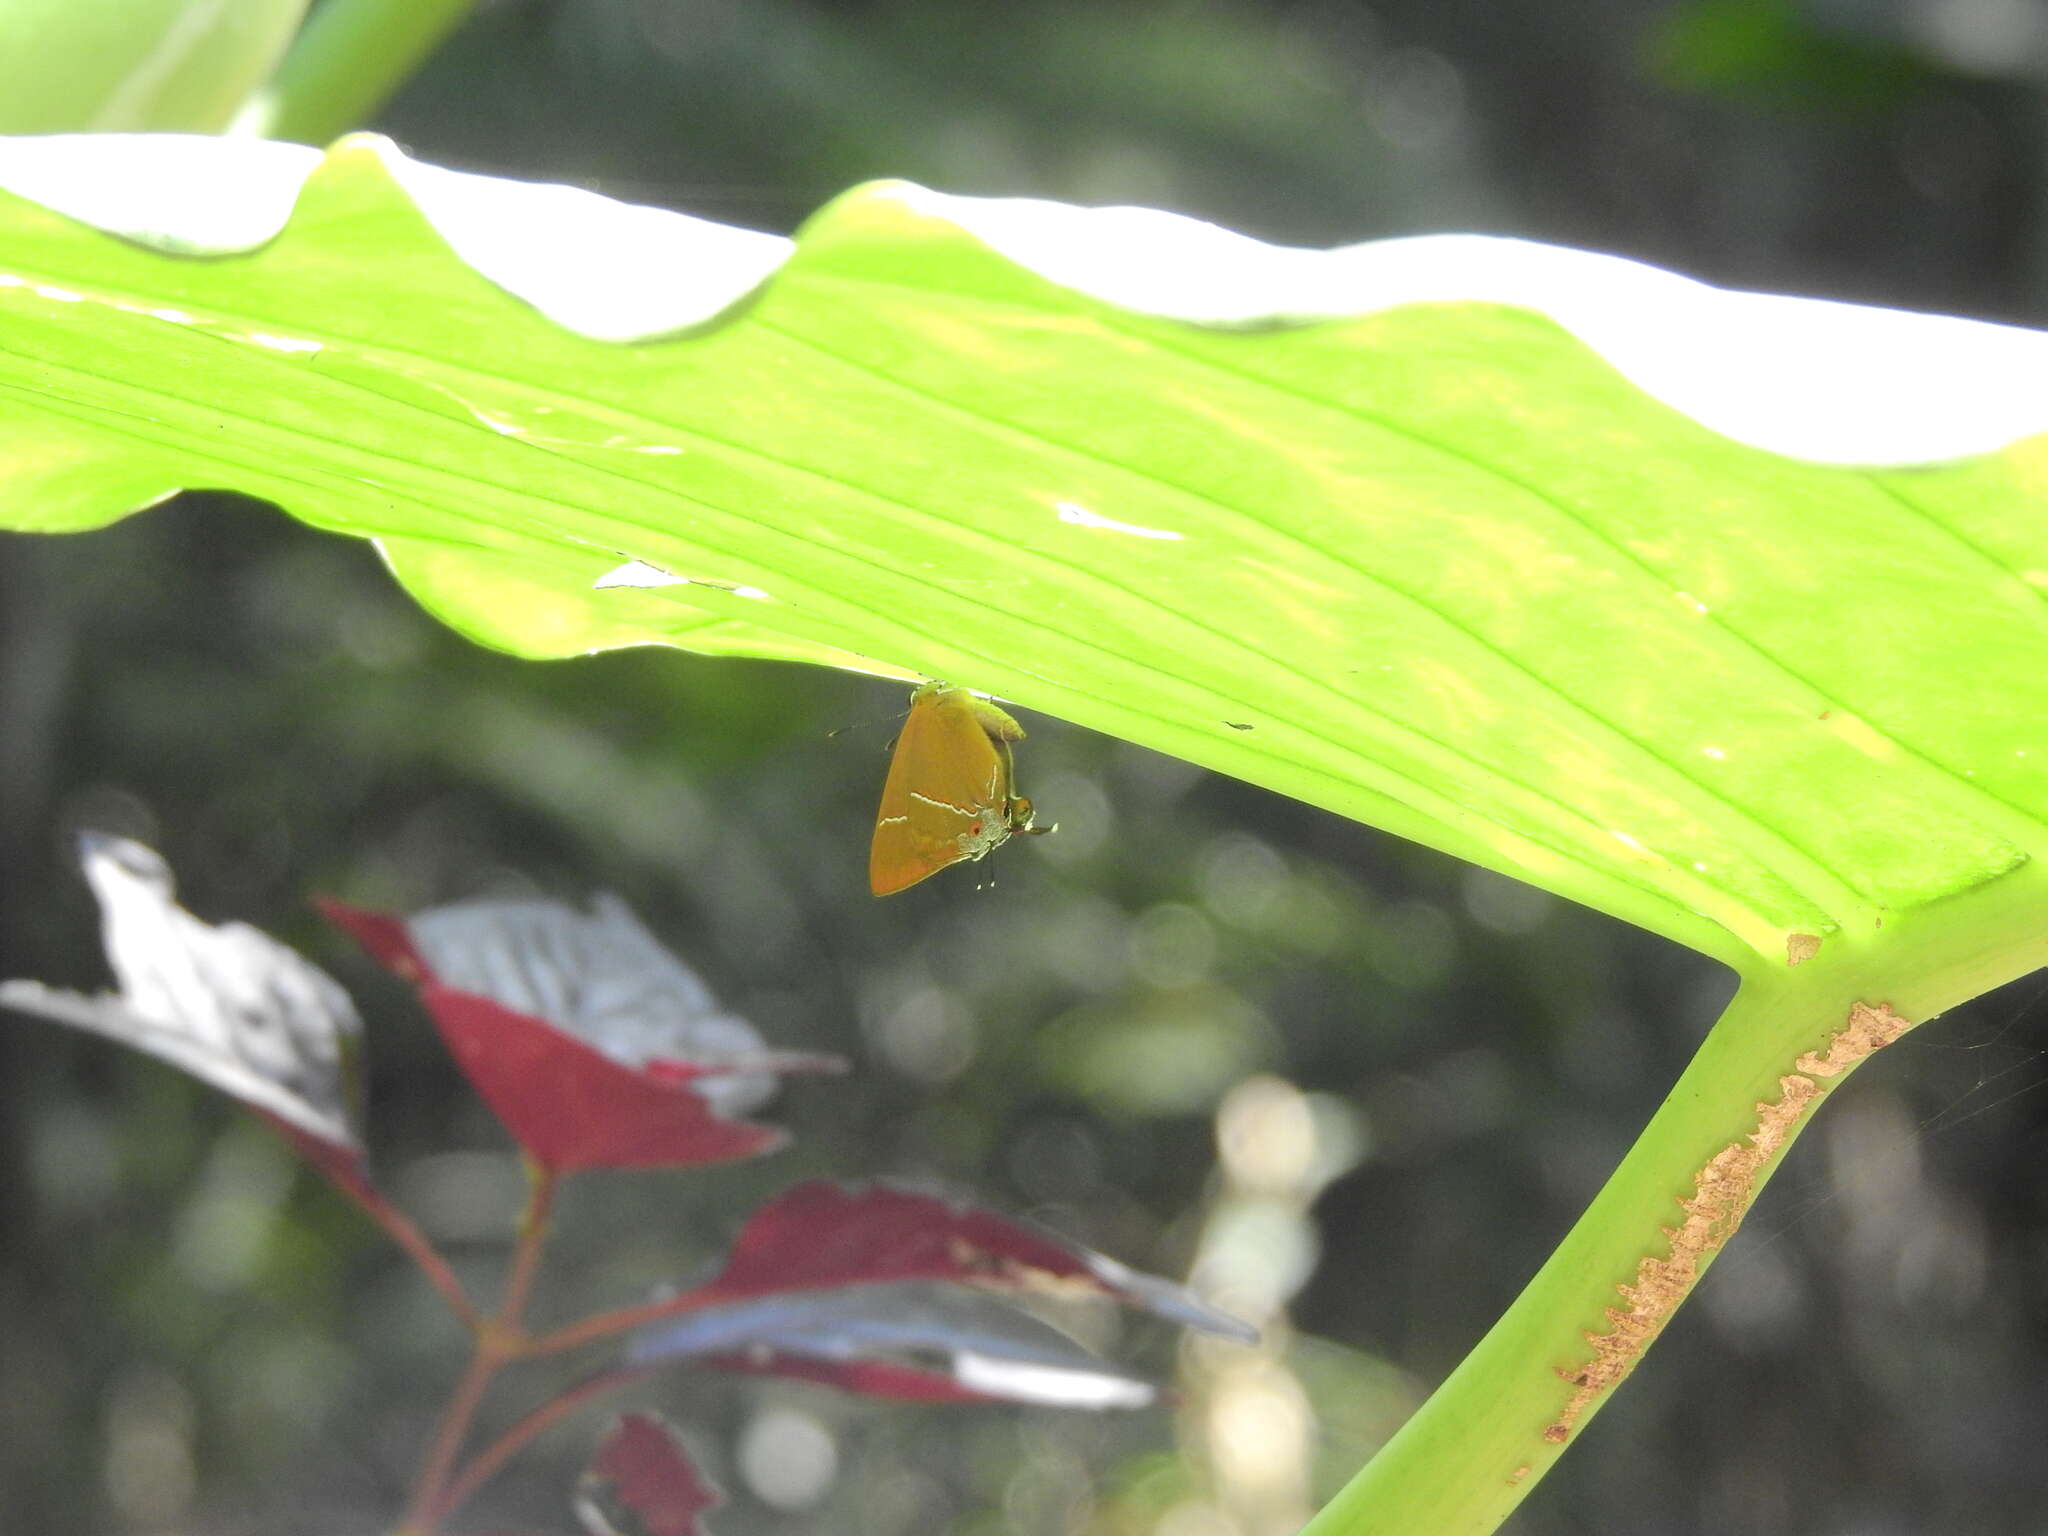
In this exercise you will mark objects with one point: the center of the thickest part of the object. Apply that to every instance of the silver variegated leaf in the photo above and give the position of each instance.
(983, 1343)
(228, 1004)
(600, 976)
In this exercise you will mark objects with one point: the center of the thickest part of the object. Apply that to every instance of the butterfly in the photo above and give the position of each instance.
(950, 791)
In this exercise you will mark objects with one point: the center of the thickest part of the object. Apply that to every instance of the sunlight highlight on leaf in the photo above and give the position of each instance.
(1456, 525)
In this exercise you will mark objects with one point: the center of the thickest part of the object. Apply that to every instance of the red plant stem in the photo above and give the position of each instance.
(400, 1228)
(344, 1169)
(602, 1325)
(533, 1235)
(485, 1465)
(422, 1513)
(499, 1340)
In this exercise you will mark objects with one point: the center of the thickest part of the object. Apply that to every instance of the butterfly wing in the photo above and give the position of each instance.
(947, 794)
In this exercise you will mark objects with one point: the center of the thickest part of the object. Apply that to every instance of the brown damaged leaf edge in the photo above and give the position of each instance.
(1721, 1193)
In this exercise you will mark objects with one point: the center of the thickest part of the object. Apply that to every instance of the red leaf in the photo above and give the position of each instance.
(820, 1235)
(641, 1483)
(921, 1339)
(593, 1045)
(874, 1378)
(382, 936)
(575, 1108)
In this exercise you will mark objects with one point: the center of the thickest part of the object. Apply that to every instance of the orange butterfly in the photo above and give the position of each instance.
(949, 792)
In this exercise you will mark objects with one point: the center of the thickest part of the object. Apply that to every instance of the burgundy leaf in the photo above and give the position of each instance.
(594, 1046)
(930, 1342)
(382, 936)
(869, 1378)
(574, 1108)
(228, 1004)
(641, 1483)
(822, 1234)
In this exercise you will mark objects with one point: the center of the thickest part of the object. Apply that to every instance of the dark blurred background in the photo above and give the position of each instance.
(1417, 1073)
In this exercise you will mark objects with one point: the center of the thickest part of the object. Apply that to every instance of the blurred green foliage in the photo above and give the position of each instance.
(1777, 53)
(200, 1338)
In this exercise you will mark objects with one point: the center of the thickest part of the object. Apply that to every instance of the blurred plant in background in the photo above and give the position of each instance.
(597, 1049)
(200, 1341)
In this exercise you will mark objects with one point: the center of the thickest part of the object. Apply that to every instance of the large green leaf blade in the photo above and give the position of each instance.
(1439, 567)
(143, 64)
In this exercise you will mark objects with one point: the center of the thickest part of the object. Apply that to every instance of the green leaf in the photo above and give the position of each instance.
(1786, 56)
(119, 65)
(1722, 613)
(1437, 566)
